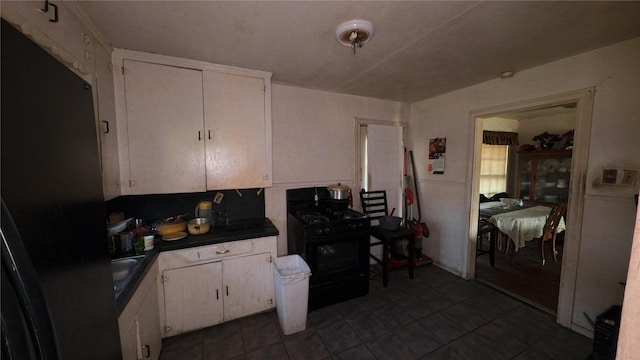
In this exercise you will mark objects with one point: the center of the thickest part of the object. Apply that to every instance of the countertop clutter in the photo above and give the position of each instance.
(233, 232)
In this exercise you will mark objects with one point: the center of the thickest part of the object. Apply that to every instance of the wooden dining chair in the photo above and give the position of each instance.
(551, 230)
(374, 205)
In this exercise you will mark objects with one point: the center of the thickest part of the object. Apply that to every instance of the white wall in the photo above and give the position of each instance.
(608, 210)
(553, 124)
(314, 142)
(500, 124)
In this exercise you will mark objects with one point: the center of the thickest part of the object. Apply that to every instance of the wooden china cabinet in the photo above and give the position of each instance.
(543, 176)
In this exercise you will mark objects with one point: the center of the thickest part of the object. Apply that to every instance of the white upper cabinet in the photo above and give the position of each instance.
(189, 126)
(238, 138)
(58, 30)
(73, 41)
(106, 123)
(164, 126)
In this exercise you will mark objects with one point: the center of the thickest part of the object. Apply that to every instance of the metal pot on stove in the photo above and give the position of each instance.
(338, 192)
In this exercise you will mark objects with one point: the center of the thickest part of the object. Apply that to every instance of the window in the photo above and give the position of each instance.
(493, 169)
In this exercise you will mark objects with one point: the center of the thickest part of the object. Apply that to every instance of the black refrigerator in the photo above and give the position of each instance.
(57, 290)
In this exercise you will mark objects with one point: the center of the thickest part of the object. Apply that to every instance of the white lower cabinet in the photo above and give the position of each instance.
(192, 297)
(139, 322)
(207, 285)
(248, 285)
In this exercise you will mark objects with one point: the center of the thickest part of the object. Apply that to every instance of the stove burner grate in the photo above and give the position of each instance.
(312, 217)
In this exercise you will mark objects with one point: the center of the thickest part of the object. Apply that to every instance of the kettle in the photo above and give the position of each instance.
(204, 210)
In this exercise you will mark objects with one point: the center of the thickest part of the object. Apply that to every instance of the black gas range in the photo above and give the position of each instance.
(333, 240)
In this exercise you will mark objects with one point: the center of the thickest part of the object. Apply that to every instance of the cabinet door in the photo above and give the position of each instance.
(165, 128)
(544, 176)
(526, 179)
(107, 125)
(129, 341)
(238, 151)
(192, 297)
(149, 325)
(552, 179)
(72, 39)
(248, 285)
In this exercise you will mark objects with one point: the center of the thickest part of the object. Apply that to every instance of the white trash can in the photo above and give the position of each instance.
(292, 292)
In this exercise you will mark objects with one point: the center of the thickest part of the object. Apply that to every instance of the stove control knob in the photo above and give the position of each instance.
(318, 231)
(326, 230)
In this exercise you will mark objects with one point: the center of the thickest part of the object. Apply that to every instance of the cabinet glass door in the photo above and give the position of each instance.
(552, 180)
(526, 169)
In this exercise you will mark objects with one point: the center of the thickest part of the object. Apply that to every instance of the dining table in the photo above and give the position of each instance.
(519, 223)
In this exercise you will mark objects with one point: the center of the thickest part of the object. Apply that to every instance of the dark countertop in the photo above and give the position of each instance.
(215, 236)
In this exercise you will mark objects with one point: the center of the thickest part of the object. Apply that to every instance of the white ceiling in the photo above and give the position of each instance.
(420, 48)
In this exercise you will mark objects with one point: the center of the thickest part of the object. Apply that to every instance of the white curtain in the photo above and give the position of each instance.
(493, 169)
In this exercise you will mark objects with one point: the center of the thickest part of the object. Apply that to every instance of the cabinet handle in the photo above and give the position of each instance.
(106, 126)
(148, 350)
(217, 296)
(209, 134)
(220, 252)
(55, 10)
(227, 289)
(199, 136)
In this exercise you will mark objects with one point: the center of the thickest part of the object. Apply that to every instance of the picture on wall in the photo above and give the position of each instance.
(437, 150)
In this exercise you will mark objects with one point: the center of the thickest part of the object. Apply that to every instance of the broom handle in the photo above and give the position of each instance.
(415, 184)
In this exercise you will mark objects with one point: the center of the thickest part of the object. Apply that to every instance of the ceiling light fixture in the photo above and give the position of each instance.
(354, 33)
(506, 74)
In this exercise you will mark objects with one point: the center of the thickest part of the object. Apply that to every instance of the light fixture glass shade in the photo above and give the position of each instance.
(354, 33)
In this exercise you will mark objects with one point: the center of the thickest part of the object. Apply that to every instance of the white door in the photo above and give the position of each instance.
(385, 163)
(248, 285)
(236, 131)
(192, 297)
(165, 125)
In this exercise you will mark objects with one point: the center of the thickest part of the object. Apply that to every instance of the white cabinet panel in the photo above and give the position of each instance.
(128, 340)
(68, 39)
(238, 150)
(248, 284)
(190, 126)
(237, 283)
(192, 297)
(107, 124)
(165, 128)
(149, 325)
(139, 322)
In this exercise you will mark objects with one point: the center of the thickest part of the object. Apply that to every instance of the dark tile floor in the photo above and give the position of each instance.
(434, 316)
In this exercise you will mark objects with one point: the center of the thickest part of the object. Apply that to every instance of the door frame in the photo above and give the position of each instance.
(580, 156)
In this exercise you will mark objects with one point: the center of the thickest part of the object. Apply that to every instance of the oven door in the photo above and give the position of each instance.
(335, 257)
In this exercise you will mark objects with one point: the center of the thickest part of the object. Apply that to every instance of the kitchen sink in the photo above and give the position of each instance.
(121, 269)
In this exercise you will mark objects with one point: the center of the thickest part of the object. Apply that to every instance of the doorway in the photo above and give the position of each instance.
(505, 170)
(581, 103)
(380, 154)
(380, 151)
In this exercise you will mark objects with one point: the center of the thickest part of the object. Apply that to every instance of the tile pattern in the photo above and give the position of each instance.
(434, 316)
